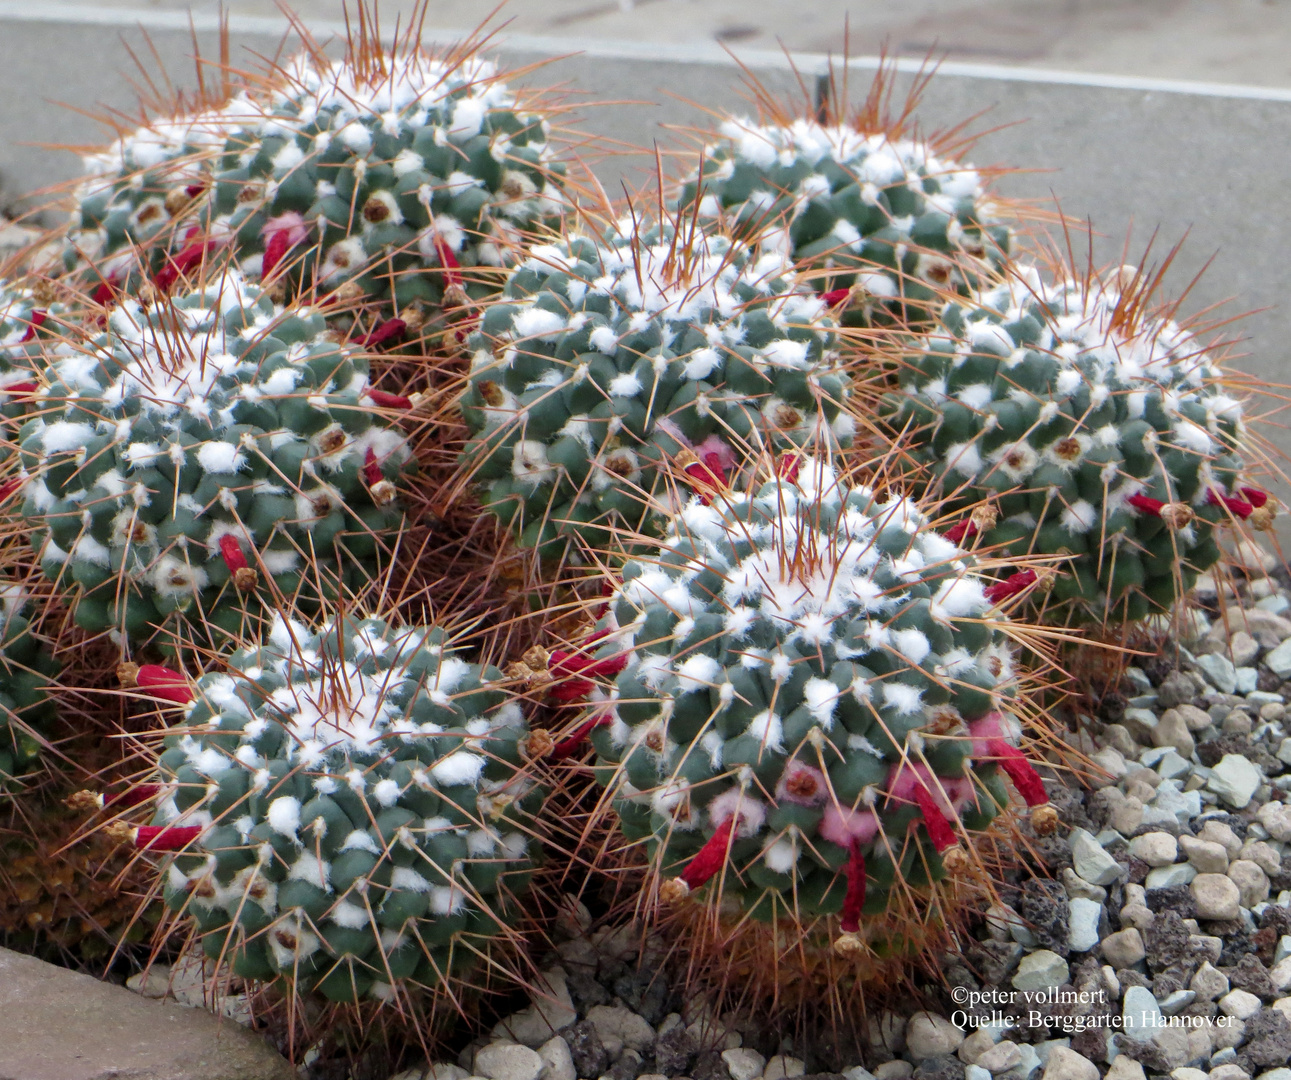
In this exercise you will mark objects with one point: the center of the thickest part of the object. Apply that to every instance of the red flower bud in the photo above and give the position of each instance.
(36, 321)
(1238, 507)
(1010, 586)
(854, 898)
(711, 857)
(383, 400)
(568, 747)
(162, 682)
(1020, 771)
(452, 268)
(166, 837)
(1147, 504)
(939, 830)
(390, 330)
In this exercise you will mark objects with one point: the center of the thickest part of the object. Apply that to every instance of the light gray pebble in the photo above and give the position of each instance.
(1066, 1064)
(613, 1022)
(1124, 949)
(1082, 923)
(743, 1063)
(1000, 1058)
(508, 1061)
(1041, 970)
(1216, 896)
(1091, 861)
(781, 1066)
(558, 1060)
(929, 1035)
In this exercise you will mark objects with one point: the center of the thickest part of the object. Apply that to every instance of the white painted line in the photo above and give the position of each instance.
(43, 11)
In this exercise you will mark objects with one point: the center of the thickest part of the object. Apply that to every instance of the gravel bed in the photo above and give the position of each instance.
(1160, 944)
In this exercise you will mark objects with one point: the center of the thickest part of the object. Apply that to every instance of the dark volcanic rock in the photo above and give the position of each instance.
(1250, 975)
(590, 1058)
(1268, 1042)
(1044, 907)
(673, 1052)
(940, 1067)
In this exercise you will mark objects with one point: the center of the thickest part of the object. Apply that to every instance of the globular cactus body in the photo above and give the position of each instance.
(349, 810)
(193, 448)
(606, 361)
(1103, 434)
(810, 706)
(883, 225)
(409, 178)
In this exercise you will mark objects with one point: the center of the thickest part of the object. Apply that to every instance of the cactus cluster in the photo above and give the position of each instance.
(1101, 432)
(26, 671)
(799, 695)
(881, 224)
(193, 448)
(351, 807)
(605, 361)
(812, 701)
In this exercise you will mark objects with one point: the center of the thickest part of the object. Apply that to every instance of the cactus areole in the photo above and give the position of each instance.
(812, 707)
(199, 454)
(608, 365)
(1101, 433)
(347, 809)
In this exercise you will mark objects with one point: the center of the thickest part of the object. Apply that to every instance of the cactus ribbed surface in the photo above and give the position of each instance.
(26, 671)
(143, 189)
(27, 322)
(192, 448)
(351, 809)
(810, 706)
(605, 361)
(881, 217)
(1101, 431)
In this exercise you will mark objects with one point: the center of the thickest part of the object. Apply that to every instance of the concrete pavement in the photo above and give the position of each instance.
(1242, 41)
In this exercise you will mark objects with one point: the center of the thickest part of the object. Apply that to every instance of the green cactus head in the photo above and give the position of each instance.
(350, 809)
(1101, 430)
(401, 178)
(812, 702)
(405, 178)
(608, 361)
(882, 224)
(199, 456)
